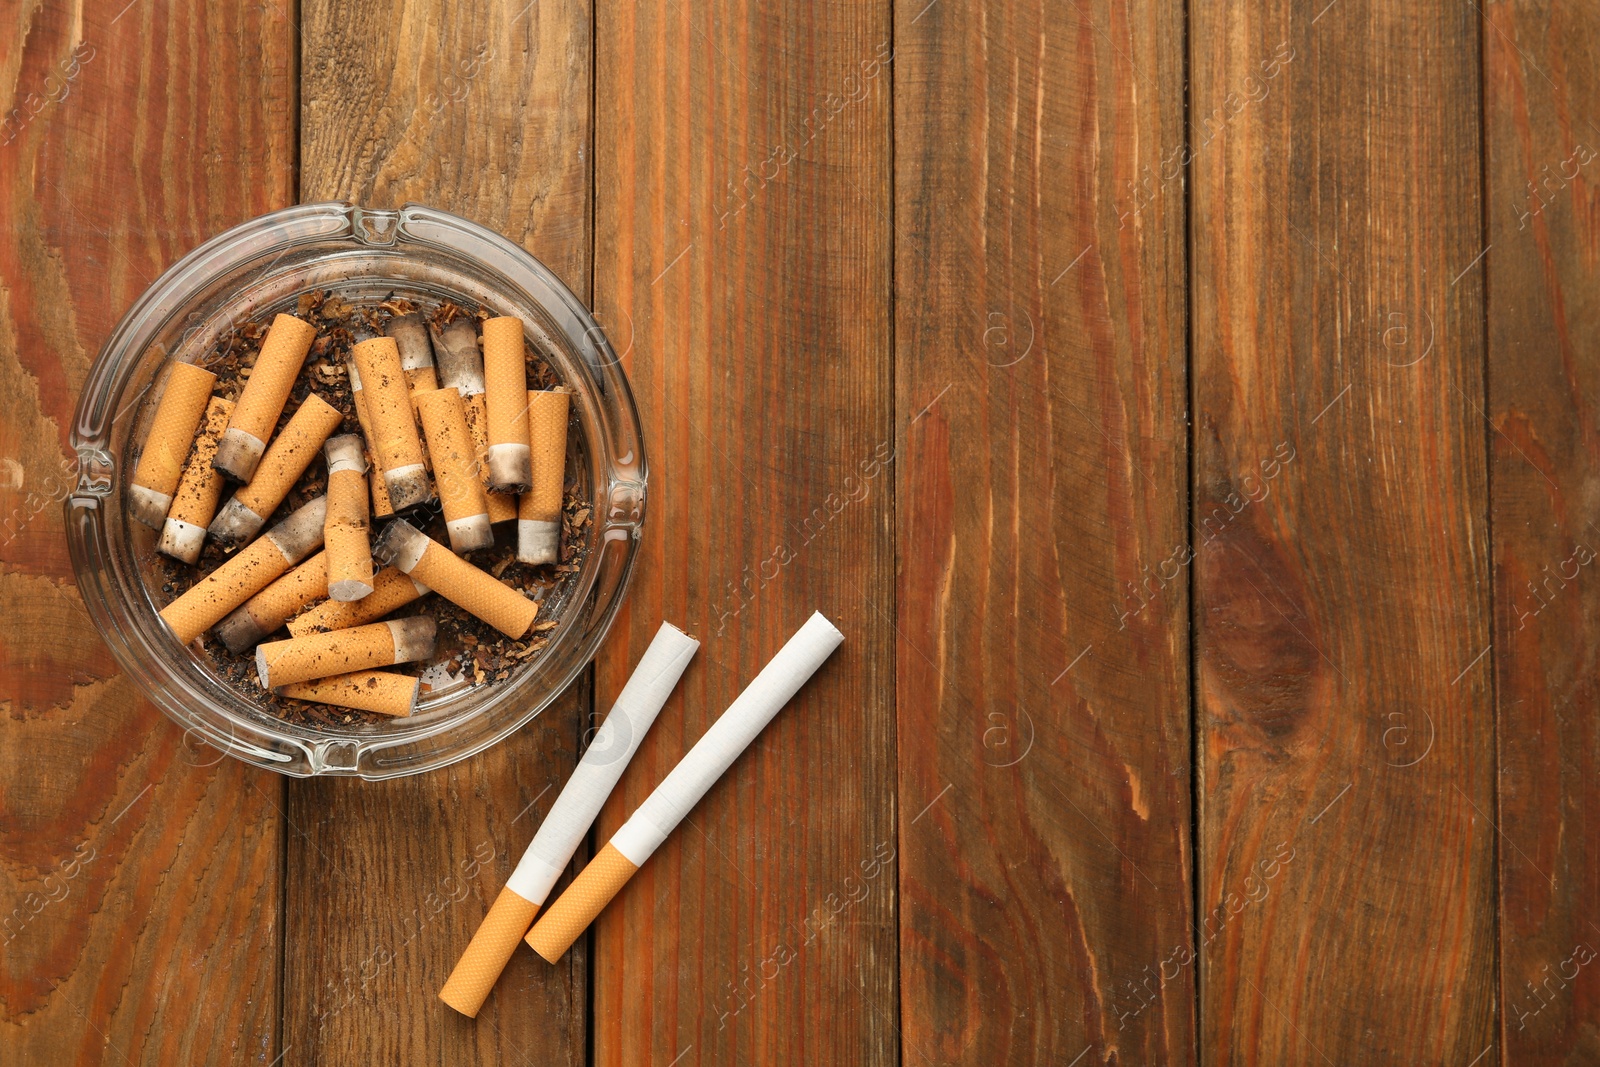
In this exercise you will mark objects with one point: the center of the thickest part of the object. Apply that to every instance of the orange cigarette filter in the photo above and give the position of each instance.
(480, 967)
(381, 508)
(245, 575)
(539, 513)
(167, 445)
(455, 469)
(346, 533)
(183, 534)
(584, 899)
(384, 692)
(269, 609)
(242, 517)
(505, 383)
(396, 441)
(391, 590)
(379, 644)
(475, 591)
(283, 353)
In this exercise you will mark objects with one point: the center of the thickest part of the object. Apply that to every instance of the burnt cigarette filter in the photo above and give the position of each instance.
(682, 789)
(246, 625)
(570, 817)
(395, 440)
(346, 531)
(455, 470)
(379, 644)
(283, 353)
(381, 508)
(183, 534)
(384, 692)
(167, 445)
(539, 513)
(245, 575)
(505, 382)
(461, 369)
(242, 517)
(478, 592)
(416, 351)
(391, 590)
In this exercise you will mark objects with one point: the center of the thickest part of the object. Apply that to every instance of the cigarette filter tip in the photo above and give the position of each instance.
(491, 947)
(578, 906)
(183, 403)
(384, 692)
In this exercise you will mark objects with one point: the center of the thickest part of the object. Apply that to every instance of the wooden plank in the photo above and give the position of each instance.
(484, 111)
(742, 262)
(139, 871)
(1043, 657)
(1342, 613)
(1541, 98)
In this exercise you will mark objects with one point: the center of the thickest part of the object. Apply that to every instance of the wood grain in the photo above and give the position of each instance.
(1347, 833)
(484, 112)
(742, 263)
(1043, 653)
(1541, 105)
(139, 875)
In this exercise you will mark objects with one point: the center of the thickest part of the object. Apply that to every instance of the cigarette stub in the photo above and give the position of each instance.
(570, 817)
(392, 589)
(455, 469)
(384, 692)
(269, 609)
(664, 808)
(505, 382)
(242, 517)
(183, 534)
(379, 644)
(246, 574)
(345, 532)
(461, 369)
(416, 351)
(167, 445)
(282, 354)
(395, 441)
(477, 592)
(381, 508)
(539, 514)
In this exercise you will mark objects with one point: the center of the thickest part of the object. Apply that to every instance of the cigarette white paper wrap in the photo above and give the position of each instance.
(730, 735)
(603, 762)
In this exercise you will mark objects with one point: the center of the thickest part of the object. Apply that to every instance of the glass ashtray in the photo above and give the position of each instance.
(262, 267)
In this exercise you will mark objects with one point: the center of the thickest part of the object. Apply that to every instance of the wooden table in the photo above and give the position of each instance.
(1186, 411)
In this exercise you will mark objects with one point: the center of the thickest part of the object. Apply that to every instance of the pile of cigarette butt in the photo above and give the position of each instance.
(427, 425)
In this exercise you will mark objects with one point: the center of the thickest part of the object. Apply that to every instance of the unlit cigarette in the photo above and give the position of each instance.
(663, 809)
(166, 446)
(477, 592)
(384, 692)
(539, 514)
(269, 609)
(345, 532)
(505, 382)
(282, 354)
(570, 817)
(455, 469)
(395, 440)
(416, 351)
(381, 644)
(461, 369)
(183, 535)
(242, 517)
(391, 590)
(246, 574)
(381, 508)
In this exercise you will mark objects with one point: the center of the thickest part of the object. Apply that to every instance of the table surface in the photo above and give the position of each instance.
(1186, 411)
